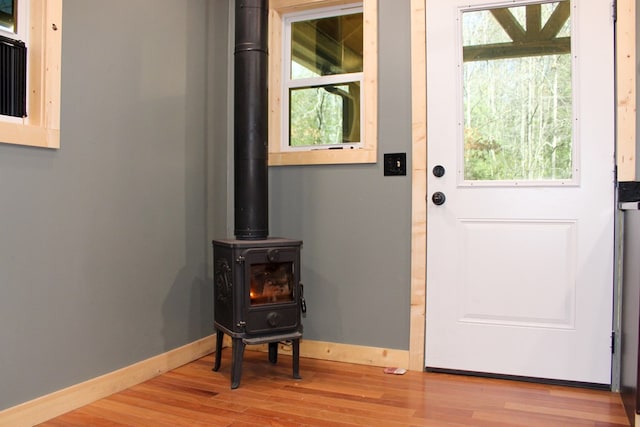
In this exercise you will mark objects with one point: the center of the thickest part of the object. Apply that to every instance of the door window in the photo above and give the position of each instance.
(517, 96)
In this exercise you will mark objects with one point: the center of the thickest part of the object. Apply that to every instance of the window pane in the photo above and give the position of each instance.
(327, 114)
(480, 28)
(326, 46)
(8, 15)
(517, 93)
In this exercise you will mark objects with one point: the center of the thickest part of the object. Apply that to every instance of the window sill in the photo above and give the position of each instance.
(24, 134)
(322, 157)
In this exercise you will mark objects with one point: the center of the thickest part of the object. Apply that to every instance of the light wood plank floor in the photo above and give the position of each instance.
(340, 394)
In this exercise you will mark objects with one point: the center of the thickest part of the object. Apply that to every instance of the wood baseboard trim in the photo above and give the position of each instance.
(347, 353)
(57, 403)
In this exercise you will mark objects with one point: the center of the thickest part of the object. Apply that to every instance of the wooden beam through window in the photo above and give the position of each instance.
(534, 40)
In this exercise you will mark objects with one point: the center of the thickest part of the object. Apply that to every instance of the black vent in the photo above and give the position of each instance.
(250, 120)
(13, 77)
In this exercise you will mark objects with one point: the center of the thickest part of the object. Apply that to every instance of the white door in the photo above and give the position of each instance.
(520, 250)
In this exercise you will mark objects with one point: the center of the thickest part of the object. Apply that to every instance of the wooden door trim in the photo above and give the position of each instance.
(418, 185)
(626, 90)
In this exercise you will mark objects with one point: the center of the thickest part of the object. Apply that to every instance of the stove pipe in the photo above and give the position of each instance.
(250, 120)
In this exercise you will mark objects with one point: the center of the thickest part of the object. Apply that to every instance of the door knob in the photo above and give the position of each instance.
(438, 171)
(438, 198)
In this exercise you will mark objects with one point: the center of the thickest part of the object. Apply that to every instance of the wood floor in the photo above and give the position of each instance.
(340, 394)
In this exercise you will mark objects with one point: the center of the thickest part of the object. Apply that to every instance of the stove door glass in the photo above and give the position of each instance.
(271, 283)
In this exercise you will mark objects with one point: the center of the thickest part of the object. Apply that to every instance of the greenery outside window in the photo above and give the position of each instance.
(41, 22)
(323, 78)
(518, 98)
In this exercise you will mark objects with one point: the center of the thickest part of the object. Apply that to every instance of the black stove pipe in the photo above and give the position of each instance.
(250, 120)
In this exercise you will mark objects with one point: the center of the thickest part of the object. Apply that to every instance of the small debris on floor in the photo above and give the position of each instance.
(395, 371)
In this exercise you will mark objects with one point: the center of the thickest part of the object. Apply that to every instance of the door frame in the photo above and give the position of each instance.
(624, 142)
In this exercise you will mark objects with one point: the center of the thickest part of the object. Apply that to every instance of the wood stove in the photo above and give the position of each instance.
(257, 291)
(257, 297)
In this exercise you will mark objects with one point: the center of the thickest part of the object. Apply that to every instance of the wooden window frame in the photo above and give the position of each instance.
(41, 127)
(368, 152)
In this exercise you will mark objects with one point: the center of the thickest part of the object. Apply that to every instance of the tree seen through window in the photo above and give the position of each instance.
(517, 88)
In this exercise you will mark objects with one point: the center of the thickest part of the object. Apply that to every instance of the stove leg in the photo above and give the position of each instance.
(296, 359)
(273, 352)
(236, 365)
(219, 336)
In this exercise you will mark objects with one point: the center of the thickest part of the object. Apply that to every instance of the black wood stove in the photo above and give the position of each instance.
(257, 291)
(258, 298)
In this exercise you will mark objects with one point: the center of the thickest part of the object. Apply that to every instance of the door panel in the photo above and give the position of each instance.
(520, 254)
(496, 292)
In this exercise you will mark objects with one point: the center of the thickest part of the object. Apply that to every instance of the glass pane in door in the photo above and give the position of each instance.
(517, 93)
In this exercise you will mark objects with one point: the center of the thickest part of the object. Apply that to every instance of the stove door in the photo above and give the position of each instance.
(271, 289)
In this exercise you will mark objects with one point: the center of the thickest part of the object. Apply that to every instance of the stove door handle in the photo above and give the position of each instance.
(303, 302)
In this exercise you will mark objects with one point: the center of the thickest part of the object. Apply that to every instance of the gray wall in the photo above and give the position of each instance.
(356, 223)
(104, 243)
(220, 121)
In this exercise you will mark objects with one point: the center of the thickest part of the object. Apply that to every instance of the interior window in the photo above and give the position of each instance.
(30, 53)
(323, 82)
(323, 79)
(13, 58)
